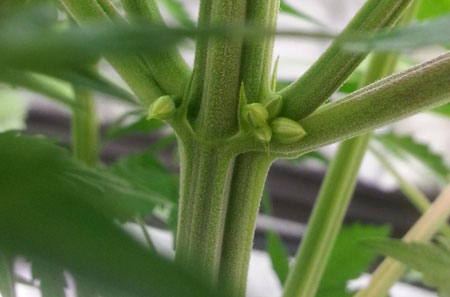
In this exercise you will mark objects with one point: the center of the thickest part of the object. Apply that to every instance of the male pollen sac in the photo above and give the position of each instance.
(255, 114)
(286, 131)
(162, 109)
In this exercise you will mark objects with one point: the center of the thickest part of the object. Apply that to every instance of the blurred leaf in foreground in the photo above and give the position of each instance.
(6, 275)
(51, 278)
(421, 34)
(442, 110)
(432, 259)
(48, 212)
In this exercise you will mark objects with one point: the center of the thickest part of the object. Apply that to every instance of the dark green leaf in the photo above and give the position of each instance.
(145, 173)
(278, 255)
(348, 260)
(6, 275)
(433, 8)
(425, 33)
(51, 278)
(402, 146)
(48, 212)
(177, 10)
(286, 8)
(433, 260)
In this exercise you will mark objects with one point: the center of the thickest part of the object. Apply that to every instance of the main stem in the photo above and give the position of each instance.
(205, 175)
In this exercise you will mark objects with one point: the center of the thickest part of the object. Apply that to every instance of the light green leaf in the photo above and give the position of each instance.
(442, 110)
(348, 260)
(433, 260)
(433, 8)
(402, 146)
(48, 213)
(12, 110)
(278, 255)
(421, 34)
(289, 9)
(178, 11)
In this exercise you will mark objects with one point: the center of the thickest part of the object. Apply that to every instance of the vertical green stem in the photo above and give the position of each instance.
(250, 169)
(218, 111)
(85, 128)
(248, 180)
(205, 177)
(201, 50)
(326, 219)
(426, 227)
(257, 54)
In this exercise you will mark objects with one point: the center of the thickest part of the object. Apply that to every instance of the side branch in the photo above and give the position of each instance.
(131, 69)
(422, 87)
(310, 91)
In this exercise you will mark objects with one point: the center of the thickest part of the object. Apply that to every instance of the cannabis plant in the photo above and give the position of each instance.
(231, 120)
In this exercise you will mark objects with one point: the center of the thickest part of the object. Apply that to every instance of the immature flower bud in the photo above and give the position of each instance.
(162, 109)
(286, 130)
(263, 133)
(255, 115)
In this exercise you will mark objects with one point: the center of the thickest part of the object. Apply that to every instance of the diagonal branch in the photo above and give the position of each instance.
(169, 68)
(131, 69)
(417, 89)
(323, 78)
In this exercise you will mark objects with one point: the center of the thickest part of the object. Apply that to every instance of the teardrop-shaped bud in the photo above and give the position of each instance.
(273, 106)
(263, 133)
(162, 109)
(255, 115)
(286, 131)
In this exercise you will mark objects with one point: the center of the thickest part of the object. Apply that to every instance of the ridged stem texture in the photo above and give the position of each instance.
(218, 111)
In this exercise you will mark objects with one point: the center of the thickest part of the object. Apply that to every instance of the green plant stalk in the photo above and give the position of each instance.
(400, 95)
(426, 227)
(248, 180)
(131, 69)
(218, 111)
(250, 169)
(257, 53)
(201, 52)
(325, 222)
(145, 232)
(84, 128)
(169, 68)
(415, 196)
(326, 75)
(205, 177)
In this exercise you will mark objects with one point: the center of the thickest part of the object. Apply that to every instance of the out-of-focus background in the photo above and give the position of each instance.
(292, 185)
